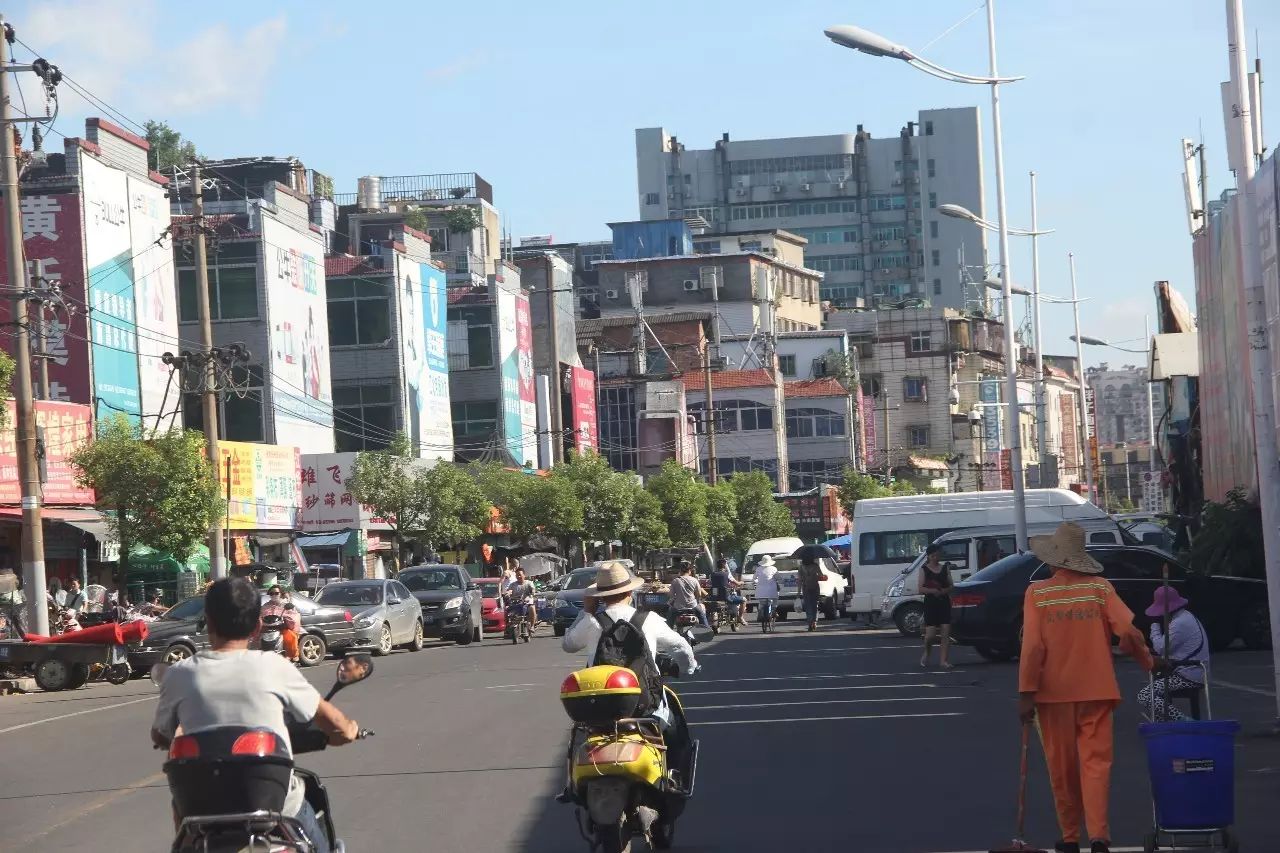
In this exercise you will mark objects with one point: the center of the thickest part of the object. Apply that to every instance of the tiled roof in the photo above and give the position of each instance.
(336, 265)
(824, 387)
(924, 463)
(694, 380)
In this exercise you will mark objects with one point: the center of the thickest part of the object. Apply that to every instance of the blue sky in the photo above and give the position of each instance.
(542, 100)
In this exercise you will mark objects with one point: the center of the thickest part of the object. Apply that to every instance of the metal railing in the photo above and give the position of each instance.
(442, 187)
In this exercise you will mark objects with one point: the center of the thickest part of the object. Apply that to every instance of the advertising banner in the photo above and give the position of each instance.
(67, 427)
(108, 256)
(989, 392)
(51, 233)
(871, 450)
(154, 299)
(327, 503)
(528, 395)
(509, 358)
(299, 368)
(582, 402)
(991, 476)
(423, 315)
(265, 485)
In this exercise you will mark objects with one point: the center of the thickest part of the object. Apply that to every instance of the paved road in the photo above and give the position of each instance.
(828, 741)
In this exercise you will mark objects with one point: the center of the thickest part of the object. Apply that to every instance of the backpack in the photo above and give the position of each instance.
(623, 644)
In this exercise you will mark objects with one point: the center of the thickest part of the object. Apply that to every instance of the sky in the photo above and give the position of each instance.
(542, 100)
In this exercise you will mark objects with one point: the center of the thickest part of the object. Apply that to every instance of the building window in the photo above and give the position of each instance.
(935, 257)
(871, 386)
(474, 419)
(650, 198)
(470, 337)
(810, 473)
(439, 239)
(929, 166)
(937, 287)
(787, 364)
(809, 423)
(706, 247)
(933, 199)
(735, 416)
(897, 165)
(359, 312)
(364, 417)
(915, 389)
(918, 436)
(861, 343)
(617, 415)
(928, 128)
(240, 411)
(933, 229)
(233, 294)
(921, 341)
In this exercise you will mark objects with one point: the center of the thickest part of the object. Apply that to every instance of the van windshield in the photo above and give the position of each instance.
(749, 565)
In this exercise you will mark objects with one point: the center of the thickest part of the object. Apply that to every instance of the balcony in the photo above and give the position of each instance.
(462, 262)
(450, 186)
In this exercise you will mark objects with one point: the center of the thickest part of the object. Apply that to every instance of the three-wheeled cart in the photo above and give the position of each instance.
(60, 666)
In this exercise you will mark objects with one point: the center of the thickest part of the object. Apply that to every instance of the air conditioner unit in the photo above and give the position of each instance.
(777, 188)
(691, 284)
(611, 294)
(841, 184)
(806, 187)
(897, 182)
(742, 191)
(883, 244)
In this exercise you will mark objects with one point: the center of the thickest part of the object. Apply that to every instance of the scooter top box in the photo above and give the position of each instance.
(600, 694)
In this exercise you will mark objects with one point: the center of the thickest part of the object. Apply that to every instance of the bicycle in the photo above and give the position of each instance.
(766, 614)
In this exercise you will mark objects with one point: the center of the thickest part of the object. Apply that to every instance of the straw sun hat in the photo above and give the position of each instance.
(612, 579)
(1064, 548)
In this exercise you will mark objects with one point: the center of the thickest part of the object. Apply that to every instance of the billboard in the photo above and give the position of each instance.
(989, 392)
(108, 257)
(51, 233)
(299, 367)
(582, 403)
(870, 450)
(327, 504)
(265, 486)
(528, 395)
(424, 324)
(67, 427)
(517, 372)
(154, 298)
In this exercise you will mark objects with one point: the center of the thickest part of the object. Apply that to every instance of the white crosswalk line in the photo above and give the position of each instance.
(684, 693)
(702, 723)
(820, 702)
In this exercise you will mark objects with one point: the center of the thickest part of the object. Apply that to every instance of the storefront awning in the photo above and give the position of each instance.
(325, 540)
(88, 520)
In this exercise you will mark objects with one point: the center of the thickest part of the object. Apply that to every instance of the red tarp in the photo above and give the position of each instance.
(106, 634)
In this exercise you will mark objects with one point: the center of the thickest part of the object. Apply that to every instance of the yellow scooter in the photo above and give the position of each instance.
(621, 770)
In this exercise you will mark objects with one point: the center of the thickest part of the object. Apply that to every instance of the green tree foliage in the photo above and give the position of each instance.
(1230, 538)
(417, 218)
(648, 530)
(386, 481)
(722, 514)
(684, 503)
(856, 487)
(6, 386)
(607, 497)
(462, 218)
(759, 514)
(168, 148)
(455, 509)
(163, 491)
(903, 487)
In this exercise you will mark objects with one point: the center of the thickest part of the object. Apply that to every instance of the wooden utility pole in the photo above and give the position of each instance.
(28, 467)
(709, 415)
(217, 557)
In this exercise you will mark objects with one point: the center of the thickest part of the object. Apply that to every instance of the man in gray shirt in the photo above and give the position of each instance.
(685, 595)
(229, 685)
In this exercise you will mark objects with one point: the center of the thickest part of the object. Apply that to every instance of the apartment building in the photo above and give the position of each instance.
(748, 405)
(1121, 405)
(867, 206)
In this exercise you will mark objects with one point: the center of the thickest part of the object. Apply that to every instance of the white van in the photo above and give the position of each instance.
(889, 533)
(967, 551)
(783, 546)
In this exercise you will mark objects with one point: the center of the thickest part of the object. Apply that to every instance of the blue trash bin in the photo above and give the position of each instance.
(1192, 766)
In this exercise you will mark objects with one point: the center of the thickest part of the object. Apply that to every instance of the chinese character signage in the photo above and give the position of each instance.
(66, 427)
(528, 397)
(327, 503)
(265, 485)
(154, 297)
(582, 398)
(423, 310)
(989, 392)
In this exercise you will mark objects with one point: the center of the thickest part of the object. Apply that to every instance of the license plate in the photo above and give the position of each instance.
(798, 605)
(119, 654)
(428, 619)
(655, 599)
(4, 652)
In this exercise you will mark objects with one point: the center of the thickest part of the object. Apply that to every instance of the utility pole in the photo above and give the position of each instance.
(557, 389)
(1264, 435)
(709, 413)
(33, 579)
(1042, 421)
(217, 558)
(1086, 449)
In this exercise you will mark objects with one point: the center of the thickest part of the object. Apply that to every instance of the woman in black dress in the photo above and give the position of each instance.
(936, 587)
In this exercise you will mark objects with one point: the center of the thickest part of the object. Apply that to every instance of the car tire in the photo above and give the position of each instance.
(781, 615)
(53, 675)
(177, 653)
(910, 619)
(384, 644)
(415, 645)
(478, 634)
(1255, 626)
(311, 649)
(558, 630)
(829, 609)
(995, 654)
(466, 637)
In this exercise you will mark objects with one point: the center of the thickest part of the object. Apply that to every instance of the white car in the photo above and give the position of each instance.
(832, 592)
(778, 548)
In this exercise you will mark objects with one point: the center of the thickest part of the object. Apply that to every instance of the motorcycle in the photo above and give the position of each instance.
(229, 784)
(688, 625)
(116, 673)
(271, 638)
(519, 628)
(622, 773)
(723, 614)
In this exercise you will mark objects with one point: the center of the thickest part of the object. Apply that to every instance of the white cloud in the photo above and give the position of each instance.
(220, 67)
(457, 67)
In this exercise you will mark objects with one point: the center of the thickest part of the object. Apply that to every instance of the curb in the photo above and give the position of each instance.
(17, 685)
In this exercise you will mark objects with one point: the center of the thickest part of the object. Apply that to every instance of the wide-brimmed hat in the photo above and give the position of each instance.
(613, 578)
(765, 562)
(1064, 548)
(1166, 600)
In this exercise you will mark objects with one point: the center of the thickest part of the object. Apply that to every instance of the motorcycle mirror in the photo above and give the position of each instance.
(351, 669)
(158, 672)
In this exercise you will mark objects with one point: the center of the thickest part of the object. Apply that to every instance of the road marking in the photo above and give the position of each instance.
(826, 719)
(506, 686)
(821, 676)
(684, 693)
(821, 702)
(1113, 849)
(793, 652)
(1218, 682)
(78, 713)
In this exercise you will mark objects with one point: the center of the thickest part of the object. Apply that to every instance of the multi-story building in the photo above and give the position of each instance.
(582, 257)
(868, 207)
(267, 293)
(1120, 404)
(748, 406)
(387, 336)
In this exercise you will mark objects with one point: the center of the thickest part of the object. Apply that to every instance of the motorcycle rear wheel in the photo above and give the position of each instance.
(663, 834)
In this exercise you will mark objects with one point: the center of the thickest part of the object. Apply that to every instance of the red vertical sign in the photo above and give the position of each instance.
(51, 233)
(582, 398)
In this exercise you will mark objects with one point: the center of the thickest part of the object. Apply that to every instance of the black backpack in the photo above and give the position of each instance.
(623, 644)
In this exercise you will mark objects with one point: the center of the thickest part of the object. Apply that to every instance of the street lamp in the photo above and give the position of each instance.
(871, 43)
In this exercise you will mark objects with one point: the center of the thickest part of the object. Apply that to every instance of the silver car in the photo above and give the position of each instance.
(385, 613)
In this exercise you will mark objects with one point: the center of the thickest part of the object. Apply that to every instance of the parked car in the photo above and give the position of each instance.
(568, 601)
(450, 601)
(385, 613)
(969, 551)
(492, 613)
(987, 608)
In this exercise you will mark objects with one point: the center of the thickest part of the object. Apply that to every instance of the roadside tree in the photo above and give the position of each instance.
(684, 504)
(759, 514)
(607, 497)
(391, 483)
